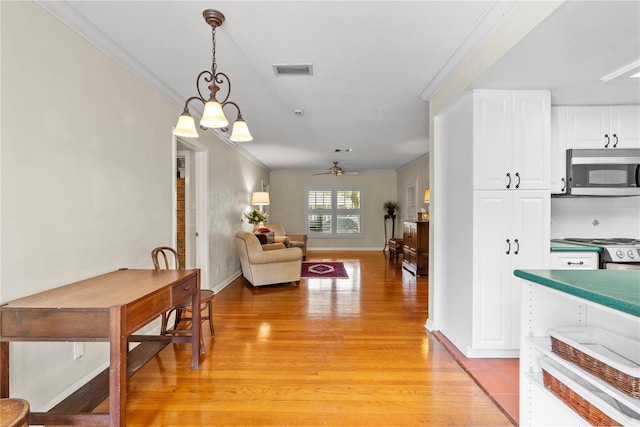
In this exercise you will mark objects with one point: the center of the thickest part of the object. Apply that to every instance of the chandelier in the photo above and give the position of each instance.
(213, 116)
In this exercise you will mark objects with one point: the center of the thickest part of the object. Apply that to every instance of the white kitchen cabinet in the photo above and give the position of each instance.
(558, 183)
(574, 260)
(603, 126)
(511, 133)
(549, 308)
(510, 231)
(477, 305)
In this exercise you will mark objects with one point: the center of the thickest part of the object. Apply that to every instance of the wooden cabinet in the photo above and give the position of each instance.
(511, 133)
(415, 256)
(615, 126)
(507, 234)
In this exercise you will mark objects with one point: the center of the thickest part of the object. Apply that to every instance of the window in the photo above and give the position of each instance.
(334, 212)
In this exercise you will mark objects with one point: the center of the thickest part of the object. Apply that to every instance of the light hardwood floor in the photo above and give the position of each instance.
(330, 352)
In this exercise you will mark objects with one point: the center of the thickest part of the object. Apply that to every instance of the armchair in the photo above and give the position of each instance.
(295, 240)
(268, 264)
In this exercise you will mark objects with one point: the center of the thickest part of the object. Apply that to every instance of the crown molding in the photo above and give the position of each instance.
(494, 14)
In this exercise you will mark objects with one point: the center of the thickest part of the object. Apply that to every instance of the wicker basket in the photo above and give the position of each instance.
(576, 402)
(623, 381)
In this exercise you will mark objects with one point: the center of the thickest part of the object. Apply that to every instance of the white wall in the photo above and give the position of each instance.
(288, 205)
(416, 171)
(87, 182)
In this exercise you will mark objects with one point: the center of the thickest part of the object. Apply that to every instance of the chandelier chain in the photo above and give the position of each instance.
(213, 51)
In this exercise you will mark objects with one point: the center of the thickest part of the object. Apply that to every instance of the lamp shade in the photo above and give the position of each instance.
(260, 198)
(240, 132)
(427, 195)
(213, 116)
(186, 126)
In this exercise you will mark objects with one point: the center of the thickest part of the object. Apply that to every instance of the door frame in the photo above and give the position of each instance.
(201, 172)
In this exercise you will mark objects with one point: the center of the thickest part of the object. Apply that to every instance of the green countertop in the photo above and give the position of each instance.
(617, 289)
(573, 247)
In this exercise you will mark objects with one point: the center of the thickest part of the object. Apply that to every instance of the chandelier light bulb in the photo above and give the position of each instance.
(240, 132)
(213, 116)
(186, 126)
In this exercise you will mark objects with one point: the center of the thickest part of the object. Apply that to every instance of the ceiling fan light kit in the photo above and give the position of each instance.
(337, 171)
(213, 115)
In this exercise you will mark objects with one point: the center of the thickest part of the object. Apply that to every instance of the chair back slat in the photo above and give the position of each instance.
(167, 255)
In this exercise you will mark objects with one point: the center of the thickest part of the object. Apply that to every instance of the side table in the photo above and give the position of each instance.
(395, 248)
(266, 238)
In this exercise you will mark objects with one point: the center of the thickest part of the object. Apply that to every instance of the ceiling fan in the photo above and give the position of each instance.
(337, 171)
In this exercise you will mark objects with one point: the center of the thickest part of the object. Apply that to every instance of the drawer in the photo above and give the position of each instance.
(574, 260)
(180, 291)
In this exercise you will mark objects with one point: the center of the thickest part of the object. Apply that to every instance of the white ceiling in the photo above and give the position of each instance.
(371, 62)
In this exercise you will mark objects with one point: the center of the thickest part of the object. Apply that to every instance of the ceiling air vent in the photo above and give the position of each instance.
(293, 69)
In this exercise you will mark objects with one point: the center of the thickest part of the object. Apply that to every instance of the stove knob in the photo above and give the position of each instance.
(631, 254)
(620, 254)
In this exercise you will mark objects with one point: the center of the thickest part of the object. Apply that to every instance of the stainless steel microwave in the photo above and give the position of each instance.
(603, 172)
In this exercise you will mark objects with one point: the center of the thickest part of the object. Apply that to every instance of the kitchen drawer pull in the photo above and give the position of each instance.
(509, 183)
(615, 144)
(518, 176)
(517, 247)
(575, 263)
(564, 184)
(187, 288)
(608, 141)
(509, 247)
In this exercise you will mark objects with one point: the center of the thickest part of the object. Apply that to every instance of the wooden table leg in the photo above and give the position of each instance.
(195, 326)
(118, 368)
(4, 369)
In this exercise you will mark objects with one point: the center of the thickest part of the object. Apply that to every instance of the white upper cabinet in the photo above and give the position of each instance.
(558, 183)
(603, 126)
(511, 140)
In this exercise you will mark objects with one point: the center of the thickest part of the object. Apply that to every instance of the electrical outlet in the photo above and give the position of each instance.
(78, 350)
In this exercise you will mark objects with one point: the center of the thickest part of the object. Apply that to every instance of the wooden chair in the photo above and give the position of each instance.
(166, 258)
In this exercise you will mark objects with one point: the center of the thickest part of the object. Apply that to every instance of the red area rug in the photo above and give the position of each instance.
(331, 270)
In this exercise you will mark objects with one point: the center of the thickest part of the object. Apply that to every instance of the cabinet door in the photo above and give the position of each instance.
(558, 183)
(625, 125)
(531, 140)
(492, 140)
(587, 127)
(531, 230)
(493, 247)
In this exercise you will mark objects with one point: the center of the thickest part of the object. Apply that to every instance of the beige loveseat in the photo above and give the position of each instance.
(268, 264)
(295, 240)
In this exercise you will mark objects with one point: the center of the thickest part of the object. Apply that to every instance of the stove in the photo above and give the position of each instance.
(614, 251)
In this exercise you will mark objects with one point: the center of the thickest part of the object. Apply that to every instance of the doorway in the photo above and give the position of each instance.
(191, 230)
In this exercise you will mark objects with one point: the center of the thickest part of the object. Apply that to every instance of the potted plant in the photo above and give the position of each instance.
(255, 218)
(390, 206)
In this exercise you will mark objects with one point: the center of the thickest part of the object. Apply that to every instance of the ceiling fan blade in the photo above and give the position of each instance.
(350, 173)
(323, 173)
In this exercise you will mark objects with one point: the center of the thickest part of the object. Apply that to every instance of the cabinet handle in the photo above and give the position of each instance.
(187, 288)
(518, 176)
(615, 144)
(517, 247)
(608, 140)
(509, 177)
(564, 184)
(508, 246)
(575, 263)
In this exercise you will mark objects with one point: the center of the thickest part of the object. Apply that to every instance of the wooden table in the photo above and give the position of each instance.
(110, 307)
